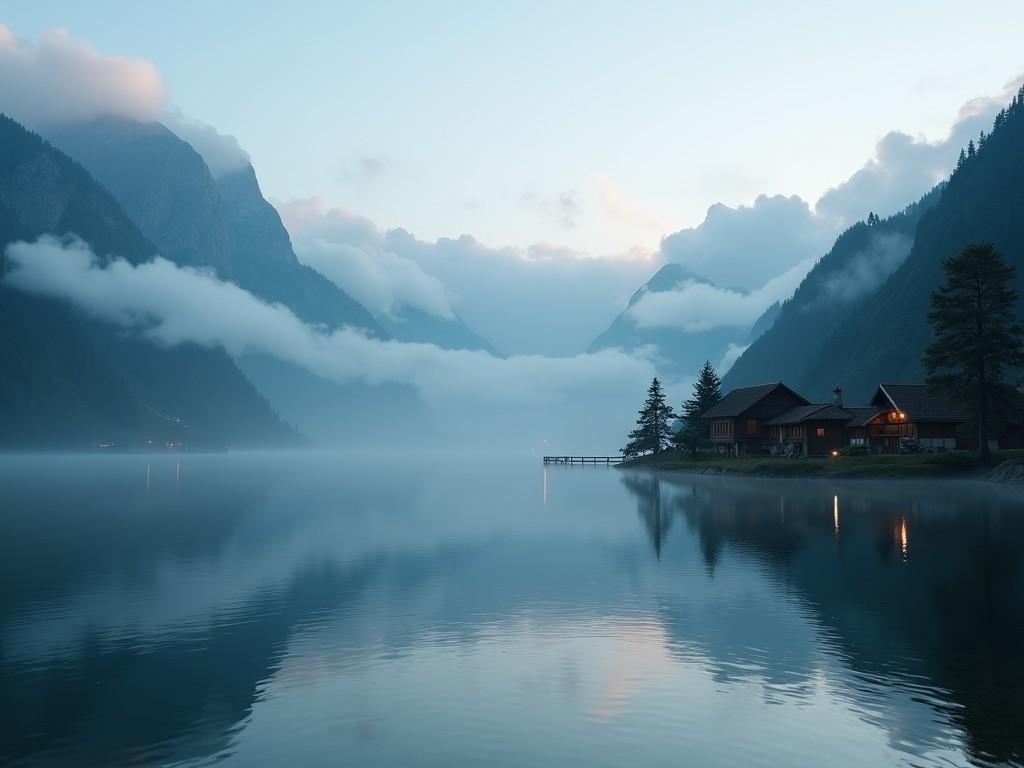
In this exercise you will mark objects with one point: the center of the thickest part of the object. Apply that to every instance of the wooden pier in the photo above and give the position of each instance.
(607, 460)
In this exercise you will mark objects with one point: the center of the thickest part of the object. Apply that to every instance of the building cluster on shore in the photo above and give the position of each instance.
(774, 419)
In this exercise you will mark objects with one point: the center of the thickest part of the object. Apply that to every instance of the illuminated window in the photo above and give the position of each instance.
(751, 426)
(820, 431)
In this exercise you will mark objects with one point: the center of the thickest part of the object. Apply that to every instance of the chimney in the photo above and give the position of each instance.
(837, 397)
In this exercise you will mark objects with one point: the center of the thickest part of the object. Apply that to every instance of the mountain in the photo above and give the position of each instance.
(195, 220)
(415, 325)
(882, 335)
(831, 297)
(71, 382)
(680, 353)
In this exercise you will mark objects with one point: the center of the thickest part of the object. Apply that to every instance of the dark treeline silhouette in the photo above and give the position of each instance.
(978, 340)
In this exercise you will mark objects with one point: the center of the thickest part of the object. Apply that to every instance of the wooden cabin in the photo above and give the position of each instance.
(910, 416)
(809, 430)
(772, 418)
(739, 421)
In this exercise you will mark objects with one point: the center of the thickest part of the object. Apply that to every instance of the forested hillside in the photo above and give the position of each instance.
(881, 335)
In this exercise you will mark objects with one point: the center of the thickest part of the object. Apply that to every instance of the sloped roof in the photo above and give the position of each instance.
(742, 398)
(816, 411)
(862, 414)
(919, 403)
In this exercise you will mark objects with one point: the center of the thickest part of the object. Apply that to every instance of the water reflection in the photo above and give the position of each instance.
(267, 609)
(942, 632)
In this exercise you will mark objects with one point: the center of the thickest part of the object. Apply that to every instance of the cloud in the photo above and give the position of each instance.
(868, 268)
(172, 305)
(905, 167)
(352, 253)
(564, 209)
(695, 306)
(59, 79)
(732, 354)
(514, 297)
(747, 246)
(221, 152)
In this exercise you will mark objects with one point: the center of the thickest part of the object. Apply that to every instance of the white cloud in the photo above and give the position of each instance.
(59, 78)
(905, 167)
(732, 354)
(221, 152)
(542, 299)
(351, 252)
(747, 246)
(868, 269)
(172, 305)
(695, 306)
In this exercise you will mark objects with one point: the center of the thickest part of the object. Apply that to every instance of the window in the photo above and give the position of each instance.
(721, 428)
(856, 441)
(820, 432)
(751, 426)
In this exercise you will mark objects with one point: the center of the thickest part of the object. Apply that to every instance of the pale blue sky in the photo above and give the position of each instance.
(451, 117)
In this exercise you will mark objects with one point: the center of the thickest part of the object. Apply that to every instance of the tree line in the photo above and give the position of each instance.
(654, 430)
(974, 357)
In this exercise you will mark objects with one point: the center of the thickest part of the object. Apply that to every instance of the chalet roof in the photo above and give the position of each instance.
(918, 403)
(862, 414)
(743, 398)
(815, 412)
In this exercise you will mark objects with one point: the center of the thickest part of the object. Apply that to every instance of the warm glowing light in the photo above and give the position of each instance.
(902, 415)
(904, 539)
(835, 513)
(835, 453)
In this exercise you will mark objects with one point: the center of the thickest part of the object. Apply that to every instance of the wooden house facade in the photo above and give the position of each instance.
(772, 418)
(739, 421)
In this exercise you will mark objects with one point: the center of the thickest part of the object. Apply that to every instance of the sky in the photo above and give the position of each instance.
(587, 126)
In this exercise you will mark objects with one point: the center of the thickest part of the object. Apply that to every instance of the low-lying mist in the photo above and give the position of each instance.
(577, 404)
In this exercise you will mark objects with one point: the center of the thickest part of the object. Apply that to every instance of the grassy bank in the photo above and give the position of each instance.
(957, 464)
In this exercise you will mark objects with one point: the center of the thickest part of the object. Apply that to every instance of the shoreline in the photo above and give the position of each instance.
(1007, 467)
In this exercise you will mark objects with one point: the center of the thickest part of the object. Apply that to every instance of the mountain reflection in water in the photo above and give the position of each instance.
(324, 610)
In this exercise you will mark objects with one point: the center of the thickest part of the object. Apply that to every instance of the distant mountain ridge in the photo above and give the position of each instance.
(681, 353)
(69, 381)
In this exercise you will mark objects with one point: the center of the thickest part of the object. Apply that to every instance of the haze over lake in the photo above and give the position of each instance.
(320, 609)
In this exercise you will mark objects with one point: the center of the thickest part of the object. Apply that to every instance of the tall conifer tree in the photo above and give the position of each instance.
(977, 336)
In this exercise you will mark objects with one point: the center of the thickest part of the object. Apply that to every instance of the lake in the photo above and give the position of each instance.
(323, 610)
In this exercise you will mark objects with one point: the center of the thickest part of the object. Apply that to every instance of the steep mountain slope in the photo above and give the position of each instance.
(71, 382)
(681, 353)
(831, 296)
(882, 336)
(411, 324)
(167, 190)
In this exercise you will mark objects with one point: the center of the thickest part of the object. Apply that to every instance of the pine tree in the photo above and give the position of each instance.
(652, 433)
(963, 159)
(695, 432)
(970, 148)
(977, 336)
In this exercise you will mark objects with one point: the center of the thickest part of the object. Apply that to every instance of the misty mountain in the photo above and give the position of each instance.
(830, 298)
(855, 341)
(69, 381)
(412, 324)
(194, 220)
(680, 353)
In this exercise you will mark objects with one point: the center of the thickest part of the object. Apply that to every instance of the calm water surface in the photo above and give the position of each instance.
(312, 610)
